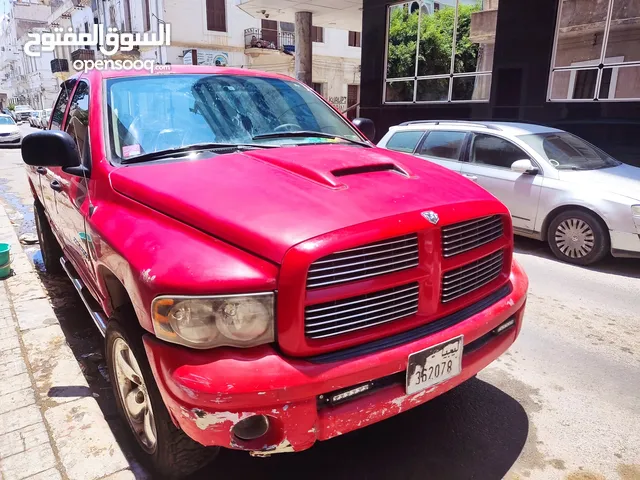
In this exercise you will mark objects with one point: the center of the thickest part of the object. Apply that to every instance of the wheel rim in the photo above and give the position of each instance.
(134, 395)
(575, 238)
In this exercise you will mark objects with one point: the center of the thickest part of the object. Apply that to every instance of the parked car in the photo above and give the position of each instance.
(44, 118)
(264, 276)
(558, 187)
(9, 131)
(34, 118)
(21, 113)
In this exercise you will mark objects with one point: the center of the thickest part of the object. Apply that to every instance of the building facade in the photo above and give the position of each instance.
(574, 64)
(207, 32)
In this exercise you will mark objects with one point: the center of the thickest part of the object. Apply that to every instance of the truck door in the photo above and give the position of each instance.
(49, 177)
(72, 198)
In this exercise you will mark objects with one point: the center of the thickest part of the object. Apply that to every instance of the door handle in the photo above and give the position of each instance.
(470, 177)
(41, 170)
(56, 186)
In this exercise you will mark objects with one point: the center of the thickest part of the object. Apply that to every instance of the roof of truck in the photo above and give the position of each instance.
(182, 69)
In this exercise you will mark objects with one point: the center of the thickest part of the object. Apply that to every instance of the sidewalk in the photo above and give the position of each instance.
(51, 426)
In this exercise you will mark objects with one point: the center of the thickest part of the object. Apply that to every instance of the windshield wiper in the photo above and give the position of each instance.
(170, 152)
(307, 133)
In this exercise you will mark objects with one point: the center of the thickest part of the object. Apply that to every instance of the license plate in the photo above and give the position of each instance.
(434, 365)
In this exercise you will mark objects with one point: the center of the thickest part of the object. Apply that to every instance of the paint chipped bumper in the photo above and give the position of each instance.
(208, 392)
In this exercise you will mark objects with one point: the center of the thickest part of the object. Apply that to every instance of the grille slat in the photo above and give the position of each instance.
(311, 319)
(346, 265)
(373, 260)
(322, 262)
(372, 309)
(457, 277)
(463, 280)
(465, 236)
(349, 301)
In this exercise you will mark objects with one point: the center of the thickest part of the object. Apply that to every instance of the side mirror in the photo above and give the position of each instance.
(525, 166)
(366, 126)
(51, 148)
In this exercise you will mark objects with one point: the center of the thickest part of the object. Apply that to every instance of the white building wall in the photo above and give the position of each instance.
(335, 63)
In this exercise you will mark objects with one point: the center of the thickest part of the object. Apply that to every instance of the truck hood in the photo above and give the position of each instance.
(623, 179)
(266, 201)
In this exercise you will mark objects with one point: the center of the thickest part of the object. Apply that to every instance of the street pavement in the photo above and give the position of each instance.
(562, 403)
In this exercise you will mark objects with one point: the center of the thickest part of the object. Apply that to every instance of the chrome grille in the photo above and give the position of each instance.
(363, 262)
(465, 236)
(355, 313)
(470, 277)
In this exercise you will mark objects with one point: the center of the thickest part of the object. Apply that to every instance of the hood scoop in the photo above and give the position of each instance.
(360, 169)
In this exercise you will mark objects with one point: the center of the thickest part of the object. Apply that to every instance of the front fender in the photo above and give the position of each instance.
(152, 254)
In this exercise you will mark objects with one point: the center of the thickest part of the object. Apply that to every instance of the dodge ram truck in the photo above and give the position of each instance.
(264, 276)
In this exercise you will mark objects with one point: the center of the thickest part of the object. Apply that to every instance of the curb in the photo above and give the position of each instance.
(51, 427)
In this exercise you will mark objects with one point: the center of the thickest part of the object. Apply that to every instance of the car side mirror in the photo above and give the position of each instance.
(525, 166)
(366, 126)
(52, 148)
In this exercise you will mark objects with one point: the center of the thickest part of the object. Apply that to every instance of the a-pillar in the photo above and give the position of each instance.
(304, 50)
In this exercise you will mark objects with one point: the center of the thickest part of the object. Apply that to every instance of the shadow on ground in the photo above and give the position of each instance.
(474, 431)
(626, 267)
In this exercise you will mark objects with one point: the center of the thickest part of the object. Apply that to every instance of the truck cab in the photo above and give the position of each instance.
(264, 276)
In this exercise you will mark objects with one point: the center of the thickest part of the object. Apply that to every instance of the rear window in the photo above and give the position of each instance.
(404, 141)
(441, 144)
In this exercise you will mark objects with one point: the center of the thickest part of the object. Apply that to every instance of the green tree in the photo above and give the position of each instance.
(434, 50)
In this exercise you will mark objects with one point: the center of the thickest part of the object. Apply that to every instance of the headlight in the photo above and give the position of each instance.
(636, 210)
(207, 322)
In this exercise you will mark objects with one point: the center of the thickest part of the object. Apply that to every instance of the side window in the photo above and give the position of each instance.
(61, 106)
(404, 141)
(441, 144)
(78, 119)
(495, 151)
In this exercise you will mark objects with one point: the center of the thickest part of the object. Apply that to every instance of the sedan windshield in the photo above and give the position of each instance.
(7, 121)
(169, 112)
(568, 152)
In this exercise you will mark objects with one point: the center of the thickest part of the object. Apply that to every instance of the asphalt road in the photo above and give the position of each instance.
(563, 403)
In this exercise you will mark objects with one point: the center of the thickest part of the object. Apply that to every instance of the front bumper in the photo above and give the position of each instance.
(11, 139)
(208, 392)
(625, 244)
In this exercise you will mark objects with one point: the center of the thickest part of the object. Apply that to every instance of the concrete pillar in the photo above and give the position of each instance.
(304, 47)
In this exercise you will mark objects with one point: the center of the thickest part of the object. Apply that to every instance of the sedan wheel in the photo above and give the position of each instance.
(578, 237)
(574, 237)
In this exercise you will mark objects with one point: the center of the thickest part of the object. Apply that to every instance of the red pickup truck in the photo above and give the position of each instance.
(265, 277)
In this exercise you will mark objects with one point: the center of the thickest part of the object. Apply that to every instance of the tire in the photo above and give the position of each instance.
(174, 455)
(578, 237)
(49, 246)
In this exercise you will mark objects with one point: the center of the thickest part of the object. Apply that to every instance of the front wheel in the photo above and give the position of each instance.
(578, 237)
(49, 246)
(166, 450)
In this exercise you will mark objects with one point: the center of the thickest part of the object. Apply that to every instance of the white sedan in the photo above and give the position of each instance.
(9, 131)
(558, 187)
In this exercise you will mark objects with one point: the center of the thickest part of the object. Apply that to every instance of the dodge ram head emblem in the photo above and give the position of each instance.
(431, 216)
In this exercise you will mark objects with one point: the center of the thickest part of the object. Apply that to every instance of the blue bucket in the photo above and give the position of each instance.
(5, 260)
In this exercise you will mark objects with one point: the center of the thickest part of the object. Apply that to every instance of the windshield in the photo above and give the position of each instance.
(165, 112)
(7, 121)
(565, 151)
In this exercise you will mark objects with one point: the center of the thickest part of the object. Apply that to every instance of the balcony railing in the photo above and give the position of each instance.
(83, 54)
(59, 65)
(269, 39)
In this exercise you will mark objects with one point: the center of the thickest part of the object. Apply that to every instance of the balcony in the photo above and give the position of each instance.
(83, 54)
(59, 65)
(262, 40)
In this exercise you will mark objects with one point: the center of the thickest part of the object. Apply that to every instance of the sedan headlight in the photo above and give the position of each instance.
(636, 210)
(207, 322)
